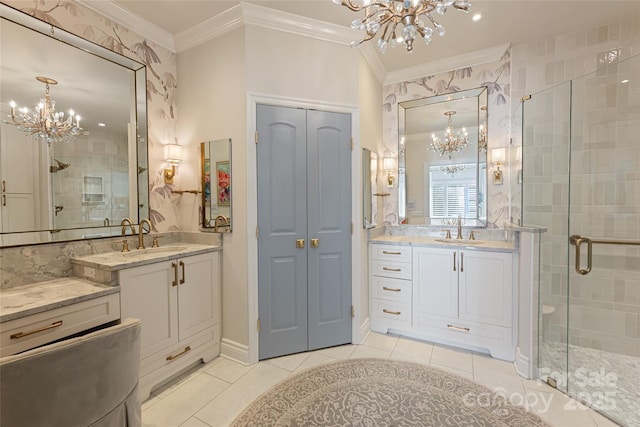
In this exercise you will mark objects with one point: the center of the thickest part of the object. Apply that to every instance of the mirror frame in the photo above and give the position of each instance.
(220, 223)
(369, 176)
(433, 100)
(139, 187)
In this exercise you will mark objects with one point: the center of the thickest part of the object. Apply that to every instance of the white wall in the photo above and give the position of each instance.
(211, 103)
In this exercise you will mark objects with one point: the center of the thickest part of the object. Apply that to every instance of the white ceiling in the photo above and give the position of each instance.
(504, 21)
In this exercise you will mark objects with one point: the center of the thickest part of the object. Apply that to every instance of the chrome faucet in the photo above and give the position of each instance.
(127, 223)
(140, 230)
(459, 236)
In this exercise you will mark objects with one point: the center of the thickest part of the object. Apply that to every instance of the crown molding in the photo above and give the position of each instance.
(116, 13)
(273, 19)
(447, 64)
(213, 27)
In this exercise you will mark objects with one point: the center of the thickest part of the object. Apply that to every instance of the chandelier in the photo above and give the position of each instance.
(452, 142)
(451, 169)
(483, 135)
(402, 21)
(43, 121)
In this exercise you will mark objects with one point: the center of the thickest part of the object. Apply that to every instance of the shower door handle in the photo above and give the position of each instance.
(577, 241)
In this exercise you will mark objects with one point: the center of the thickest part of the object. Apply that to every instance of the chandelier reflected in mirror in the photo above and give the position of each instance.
(453, 141)
(43, 122)
(401, 21)
(451, 169)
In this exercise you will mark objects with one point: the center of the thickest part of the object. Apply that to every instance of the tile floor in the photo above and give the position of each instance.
(214, 394)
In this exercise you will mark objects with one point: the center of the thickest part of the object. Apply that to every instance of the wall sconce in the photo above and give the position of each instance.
(388, 166)
(173, 156)
(498, 156)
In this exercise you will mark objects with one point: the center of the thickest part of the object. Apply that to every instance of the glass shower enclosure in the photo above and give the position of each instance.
(581, 181)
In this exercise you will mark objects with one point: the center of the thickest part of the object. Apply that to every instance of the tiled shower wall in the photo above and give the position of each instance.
(605, 186)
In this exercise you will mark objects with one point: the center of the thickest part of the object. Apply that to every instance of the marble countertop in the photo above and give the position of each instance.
(113, 261)
(485, 245)
(26, 300)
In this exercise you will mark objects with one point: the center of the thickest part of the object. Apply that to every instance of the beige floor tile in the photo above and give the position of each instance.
(601, 420)
(222, 410)
(364, 351)
(194, 422)
(412, 351)
(463, 374)
(290, 363)
(340, 352)
(381, 341)
(558, 410)
(227, 370)
(314, 359)
(183, 401)
(455, 358)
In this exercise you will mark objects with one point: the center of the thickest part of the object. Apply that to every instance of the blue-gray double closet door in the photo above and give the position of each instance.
(304, 223)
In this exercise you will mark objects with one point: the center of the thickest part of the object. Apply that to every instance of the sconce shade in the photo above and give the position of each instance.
(388, 163)
(173, 153)
(498, 155)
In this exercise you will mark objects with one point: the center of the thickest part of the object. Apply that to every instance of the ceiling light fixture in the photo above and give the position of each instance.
(43, 121)
(451, 169)
(453, 141)
(477, 17)
(409, 15)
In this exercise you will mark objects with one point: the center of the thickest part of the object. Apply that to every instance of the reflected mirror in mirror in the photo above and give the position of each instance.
(82, 188)
(216, 185)
(442, 159)
(369, 176)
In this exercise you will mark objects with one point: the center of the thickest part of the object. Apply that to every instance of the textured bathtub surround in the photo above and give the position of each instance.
(22, 265)
(26, 300)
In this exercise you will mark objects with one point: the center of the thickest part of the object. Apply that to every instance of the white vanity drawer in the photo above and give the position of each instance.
(396, 270)
(391, 289)
(390, 253)
(389, 314)
(32, 331)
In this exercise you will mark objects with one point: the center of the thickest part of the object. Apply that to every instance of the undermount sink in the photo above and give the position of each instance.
(147, 251)
(459, 241)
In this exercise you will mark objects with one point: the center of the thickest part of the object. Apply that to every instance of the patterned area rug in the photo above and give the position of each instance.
(379, 392)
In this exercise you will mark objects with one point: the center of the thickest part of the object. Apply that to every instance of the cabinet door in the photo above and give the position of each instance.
(147, 293)
(486, 288)
(435, 281)
(198, 291)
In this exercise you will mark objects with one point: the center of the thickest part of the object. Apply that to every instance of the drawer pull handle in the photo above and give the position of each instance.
(183, 276)
(186, 350)
(25, 334)
(391, 253)
(395, 313)
(458, 328)
(454, 261)
(391, 269)
(461, 262)
(391, 289)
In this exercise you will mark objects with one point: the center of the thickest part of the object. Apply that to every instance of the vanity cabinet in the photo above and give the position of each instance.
(453, 295)
(391, 287)
(178, 302)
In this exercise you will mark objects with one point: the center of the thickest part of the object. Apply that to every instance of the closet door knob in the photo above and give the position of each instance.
(315, 243)
(300, 243)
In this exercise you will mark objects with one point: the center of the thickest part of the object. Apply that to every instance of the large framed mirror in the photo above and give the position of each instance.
(442, 161)
(216, 185)
(82, 188)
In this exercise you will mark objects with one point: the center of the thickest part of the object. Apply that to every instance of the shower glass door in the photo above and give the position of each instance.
(604, 237)
(581, 181)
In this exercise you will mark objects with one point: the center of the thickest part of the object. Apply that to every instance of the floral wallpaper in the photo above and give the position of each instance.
(161, 86)
(496, 76)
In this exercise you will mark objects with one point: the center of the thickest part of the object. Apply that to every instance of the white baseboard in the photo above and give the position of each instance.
(522, 365)
(234, 351)
(365, 329)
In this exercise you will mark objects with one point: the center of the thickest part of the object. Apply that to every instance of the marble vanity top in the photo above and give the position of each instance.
(485, 245)
(113, 261)
(26, 300)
